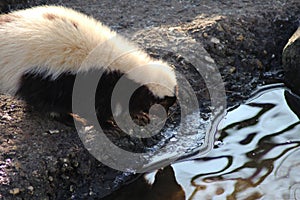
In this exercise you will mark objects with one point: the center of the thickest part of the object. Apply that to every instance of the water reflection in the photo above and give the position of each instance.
(255, 157)
(160, 185)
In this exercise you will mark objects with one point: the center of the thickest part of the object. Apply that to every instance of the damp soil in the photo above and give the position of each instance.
(41, 158)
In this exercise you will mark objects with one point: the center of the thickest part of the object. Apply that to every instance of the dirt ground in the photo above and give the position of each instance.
(43, 159)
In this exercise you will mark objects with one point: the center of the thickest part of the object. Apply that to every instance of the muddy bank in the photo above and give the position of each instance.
(43, 159)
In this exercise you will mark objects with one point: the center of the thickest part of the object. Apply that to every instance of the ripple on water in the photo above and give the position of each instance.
(257, 155)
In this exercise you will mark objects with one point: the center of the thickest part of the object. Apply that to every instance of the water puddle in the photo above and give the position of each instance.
(255, 157)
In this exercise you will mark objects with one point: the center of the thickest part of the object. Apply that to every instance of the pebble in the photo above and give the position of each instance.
(240, 38)
(71, 188)
(51, 132)
(88, 128)
(50, 178)
(6, 117)
(14, 191)
(215, 40)
(232, 70)
(30, 188)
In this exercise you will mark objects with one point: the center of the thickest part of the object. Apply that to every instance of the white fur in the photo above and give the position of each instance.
(33, 41)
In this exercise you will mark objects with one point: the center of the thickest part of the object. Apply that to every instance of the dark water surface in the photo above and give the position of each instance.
(256, 156)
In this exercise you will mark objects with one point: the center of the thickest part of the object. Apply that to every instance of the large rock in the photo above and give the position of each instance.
(9, 5)
(6, 5)
(291, 62)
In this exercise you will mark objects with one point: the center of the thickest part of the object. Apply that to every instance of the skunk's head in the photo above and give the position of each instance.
(143, 99)
(159, 86)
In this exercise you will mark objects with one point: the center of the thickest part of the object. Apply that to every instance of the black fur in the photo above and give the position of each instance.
(49, 95)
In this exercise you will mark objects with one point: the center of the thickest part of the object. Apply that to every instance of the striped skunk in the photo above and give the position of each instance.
(41, 52)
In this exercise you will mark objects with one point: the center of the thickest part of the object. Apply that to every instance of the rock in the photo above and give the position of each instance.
(291, 62)
(14, 191)
(30, 188)
(53, 132)
(240, 38)
(5, 5)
